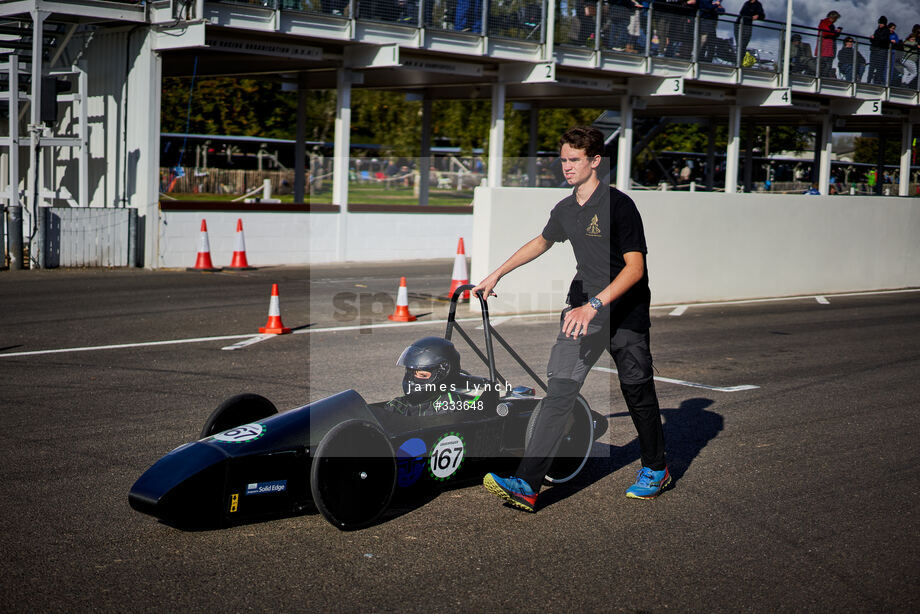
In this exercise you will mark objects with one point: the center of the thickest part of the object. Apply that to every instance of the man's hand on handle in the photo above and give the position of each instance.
(486, 285)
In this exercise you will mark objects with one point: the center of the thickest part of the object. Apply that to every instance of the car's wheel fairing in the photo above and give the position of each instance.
(576, 443)
(238, 410)
(353, 474)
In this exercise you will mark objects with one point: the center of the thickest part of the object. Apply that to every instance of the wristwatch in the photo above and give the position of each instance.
(596, 303)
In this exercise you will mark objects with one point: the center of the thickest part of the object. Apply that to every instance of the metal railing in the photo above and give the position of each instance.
(650, 29)
(852, 58)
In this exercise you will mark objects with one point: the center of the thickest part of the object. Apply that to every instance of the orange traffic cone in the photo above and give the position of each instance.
(239, 262)
(460, 277)
(402, 304)
(274, 326)
(203, 262)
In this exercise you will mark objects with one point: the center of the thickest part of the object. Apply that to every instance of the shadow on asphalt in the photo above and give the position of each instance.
(687, 430)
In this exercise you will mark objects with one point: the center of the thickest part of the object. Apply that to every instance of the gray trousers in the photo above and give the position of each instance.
(569, 363)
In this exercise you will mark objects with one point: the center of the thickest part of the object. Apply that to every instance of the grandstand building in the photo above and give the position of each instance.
(81, 81)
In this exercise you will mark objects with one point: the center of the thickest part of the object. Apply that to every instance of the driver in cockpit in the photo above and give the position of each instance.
(432, 382)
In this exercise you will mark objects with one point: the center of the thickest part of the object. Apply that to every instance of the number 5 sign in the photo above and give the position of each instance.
(446, 456)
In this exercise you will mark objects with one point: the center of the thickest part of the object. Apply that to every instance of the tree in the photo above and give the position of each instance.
(242, 107)
(866, 150)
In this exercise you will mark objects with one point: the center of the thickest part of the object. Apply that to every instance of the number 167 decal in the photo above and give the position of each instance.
(446, 456)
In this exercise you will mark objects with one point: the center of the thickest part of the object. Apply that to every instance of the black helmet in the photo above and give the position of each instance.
(437, 356)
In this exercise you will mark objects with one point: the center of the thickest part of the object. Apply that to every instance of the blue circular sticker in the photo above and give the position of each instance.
(410, 462)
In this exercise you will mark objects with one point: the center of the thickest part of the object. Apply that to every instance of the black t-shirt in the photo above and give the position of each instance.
(881, 38)
(607, 226)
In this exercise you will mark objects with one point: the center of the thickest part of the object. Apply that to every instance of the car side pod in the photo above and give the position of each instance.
(250, 463)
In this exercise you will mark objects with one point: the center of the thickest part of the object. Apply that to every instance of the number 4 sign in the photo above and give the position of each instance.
(446, 456)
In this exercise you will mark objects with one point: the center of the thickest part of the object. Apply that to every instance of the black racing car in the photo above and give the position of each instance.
(347, 457)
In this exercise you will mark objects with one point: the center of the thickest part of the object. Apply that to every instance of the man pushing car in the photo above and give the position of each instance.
(608, 307)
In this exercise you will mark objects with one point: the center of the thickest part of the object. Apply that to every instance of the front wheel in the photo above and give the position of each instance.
(353, 474)
(238, 410)
(575, 447)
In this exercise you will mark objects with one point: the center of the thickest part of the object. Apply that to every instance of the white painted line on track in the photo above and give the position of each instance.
(333, 329)
(822, 301)
(248, 339)
(120, 346)
(247, 342)
(680, 382)
(250, 336)
(679, 311)
(495, 321)
(810, 297)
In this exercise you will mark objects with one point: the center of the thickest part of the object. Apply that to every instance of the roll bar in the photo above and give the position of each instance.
(489, 332)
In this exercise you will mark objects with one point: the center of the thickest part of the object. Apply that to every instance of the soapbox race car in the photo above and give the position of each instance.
(348, 457)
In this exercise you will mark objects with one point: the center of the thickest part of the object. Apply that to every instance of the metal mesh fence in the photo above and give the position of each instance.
(578, 23)
(399, 11)
(728, 40)
(372, 180)
(517, 19)
(656, 28)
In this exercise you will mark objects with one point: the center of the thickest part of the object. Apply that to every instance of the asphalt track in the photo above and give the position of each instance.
(798, 495)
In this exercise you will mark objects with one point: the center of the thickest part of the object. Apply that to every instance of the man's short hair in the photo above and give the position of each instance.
(586, 138)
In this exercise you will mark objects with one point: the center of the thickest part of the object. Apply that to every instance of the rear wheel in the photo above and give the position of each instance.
(576, 443)
(353, 474)
(238, 410)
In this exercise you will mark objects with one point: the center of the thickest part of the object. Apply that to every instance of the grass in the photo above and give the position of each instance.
(358, 194)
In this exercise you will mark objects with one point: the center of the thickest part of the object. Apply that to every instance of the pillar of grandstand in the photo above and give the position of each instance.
(98, 146)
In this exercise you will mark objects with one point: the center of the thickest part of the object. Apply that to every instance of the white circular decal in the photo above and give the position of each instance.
(446, 456)
(240, 434)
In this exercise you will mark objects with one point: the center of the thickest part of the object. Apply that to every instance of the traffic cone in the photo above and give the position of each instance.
(239, 262)
(274, 326)
(203, 262)
(460, 277)
(402, 304)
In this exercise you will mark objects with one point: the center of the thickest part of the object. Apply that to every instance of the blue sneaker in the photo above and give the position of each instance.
(649, 484)
(515, 491)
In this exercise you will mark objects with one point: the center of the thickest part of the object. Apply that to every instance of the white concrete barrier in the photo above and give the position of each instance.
(711, 246)
(277, 237)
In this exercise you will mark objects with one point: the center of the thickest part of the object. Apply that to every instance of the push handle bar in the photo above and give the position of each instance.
(489, 358)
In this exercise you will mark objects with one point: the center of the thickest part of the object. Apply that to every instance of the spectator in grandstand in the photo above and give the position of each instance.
(709, 15)
(813, 190)
(800, 58)
(850, 62)
(637, 23)
(894, 44)
(672, 18)
(585, 24)
(826, 49)
(686, 172)
(468, 16)
(408, 12)
(879, 42)
(620, 11)
(751, 11)
(910, 60)
(334, 7)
